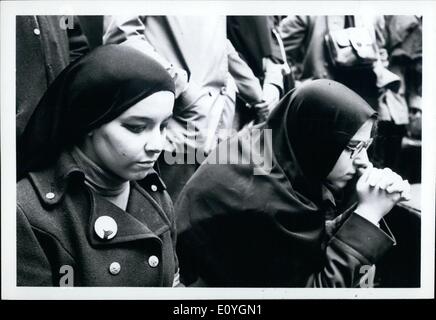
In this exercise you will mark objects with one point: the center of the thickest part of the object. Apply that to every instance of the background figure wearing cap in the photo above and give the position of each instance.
(91, 211)
(207, 72)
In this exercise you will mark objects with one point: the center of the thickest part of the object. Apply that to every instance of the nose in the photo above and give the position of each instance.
(155, 141)
(362, 156)
(361, 162)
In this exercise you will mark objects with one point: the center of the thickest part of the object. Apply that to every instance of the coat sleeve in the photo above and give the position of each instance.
(273, 73)
(274, 65)
(33, 267)
(130, 30)
(78, 43)
(294, 32)
(350, 254)
(247, 83)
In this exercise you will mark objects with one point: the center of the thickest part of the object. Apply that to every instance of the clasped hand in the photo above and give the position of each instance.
(271, 96)
(378, 190)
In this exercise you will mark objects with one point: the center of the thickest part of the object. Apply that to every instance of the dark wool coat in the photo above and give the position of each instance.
(56, 213)
(58, 217)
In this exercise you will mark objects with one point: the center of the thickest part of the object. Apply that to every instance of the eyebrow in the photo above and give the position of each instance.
(145, 118)
(354, 142)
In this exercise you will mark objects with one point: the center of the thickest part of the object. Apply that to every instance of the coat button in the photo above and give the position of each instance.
(105, 227)
(153, 187)
(49, 195)
(153, 261)
(36, 31)
(115, 268)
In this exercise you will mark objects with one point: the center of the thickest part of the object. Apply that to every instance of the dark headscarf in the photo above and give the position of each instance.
(240, 229)
(90, 92)
(311, 127)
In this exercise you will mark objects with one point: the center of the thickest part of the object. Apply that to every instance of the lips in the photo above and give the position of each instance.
(349, 176)
(146, 164)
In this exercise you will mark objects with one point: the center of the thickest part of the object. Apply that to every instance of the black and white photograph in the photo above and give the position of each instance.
(217, 150)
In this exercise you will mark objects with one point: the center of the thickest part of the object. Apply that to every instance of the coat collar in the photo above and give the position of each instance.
(55, 179)
(52, 183)
(327, 195)
(141, 221)
(144, 219)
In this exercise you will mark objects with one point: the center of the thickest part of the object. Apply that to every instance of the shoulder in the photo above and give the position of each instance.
(41, 203)
(35, 220)
(27, 195)
(214, 190)
(30, 209)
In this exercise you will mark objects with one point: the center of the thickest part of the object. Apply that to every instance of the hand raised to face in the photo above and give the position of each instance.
(378, 190)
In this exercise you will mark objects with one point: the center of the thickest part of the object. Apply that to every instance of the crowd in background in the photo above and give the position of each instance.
(231, 71)
(219, 75)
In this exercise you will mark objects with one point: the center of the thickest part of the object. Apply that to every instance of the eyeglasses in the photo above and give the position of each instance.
(357, 146)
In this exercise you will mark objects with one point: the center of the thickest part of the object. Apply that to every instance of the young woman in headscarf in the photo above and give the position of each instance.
(274, 219)
(91, 210)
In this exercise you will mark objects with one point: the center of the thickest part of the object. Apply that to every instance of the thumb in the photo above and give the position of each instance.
(362, 166)
(364, 172)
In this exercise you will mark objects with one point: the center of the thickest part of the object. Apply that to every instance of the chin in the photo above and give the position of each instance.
(139, 175)
(339, 185)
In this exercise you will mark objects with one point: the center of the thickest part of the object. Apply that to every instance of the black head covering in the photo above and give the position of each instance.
(88, 93)
(312, 126)
(240, 229)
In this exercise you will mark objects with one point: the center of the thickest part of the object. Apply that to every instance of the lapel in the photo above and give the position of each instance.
(143, 218)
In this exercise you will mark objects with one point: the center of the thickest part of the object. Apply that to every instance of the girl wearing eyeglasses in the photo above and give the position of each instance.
(290, 227)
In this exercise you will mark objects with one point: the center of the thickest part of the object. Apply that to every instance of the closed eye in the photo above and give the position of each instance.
(165, 123)
(135, 128)
(353, 144)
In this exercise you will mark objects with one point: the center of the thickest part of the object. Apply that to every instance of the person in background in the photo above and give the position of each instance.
(289, 225)
(304, 41)
(91, 210)
(207, 73)
(254, 39)
(45, 45)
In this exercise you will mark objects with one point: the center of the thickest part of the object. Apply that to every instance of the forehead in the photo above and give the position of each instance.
(158, 105)
(364, 133)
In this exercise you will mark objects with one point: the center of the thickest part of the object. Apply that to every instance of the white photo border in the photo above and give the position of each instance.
(9, 11)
